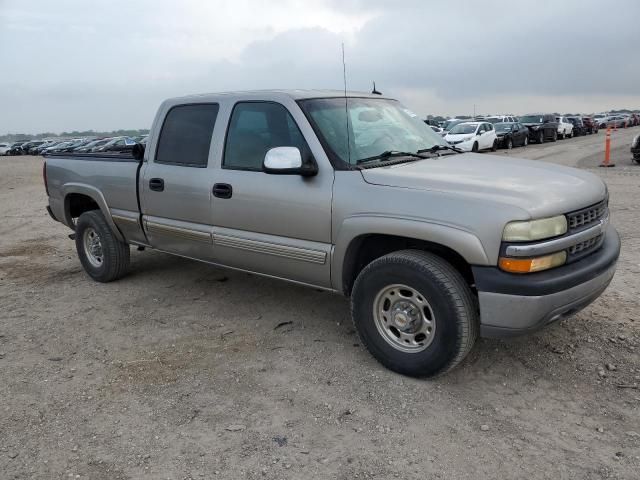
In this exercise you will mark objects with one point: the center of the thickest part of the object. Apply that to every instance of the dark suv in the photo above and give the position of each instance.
(542, 126)
(590, 125)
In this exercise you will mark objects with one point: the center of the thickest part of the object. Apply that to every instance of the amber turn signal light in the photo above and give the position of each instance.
(530, 265)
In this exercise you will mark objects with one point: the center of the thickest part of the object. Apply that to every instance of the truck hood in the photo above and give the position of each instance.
(541, 189)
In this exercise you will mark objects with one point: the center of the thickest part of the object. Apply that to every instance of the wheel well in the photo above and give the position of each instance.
(366, 248)
(75, 204)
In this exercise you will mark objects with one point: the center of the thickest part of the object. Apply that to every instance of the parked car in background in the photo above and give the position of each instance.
(88, 147)
(616, 121)
(542, 126)
(46, 144)
(511, 134)
(565, 127)
(117, 145)
(501, 119)
(29, 147)
(438, 130)
(16, 148)
(635, 148)
(5, 148)
(600, 119)
(473, 136)
(590, 125)
(449, 124)
(578, 126)
(636, 119)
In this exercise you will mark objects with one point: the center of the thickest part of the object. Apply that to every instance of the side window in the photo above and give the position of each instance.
(186, 135)
(488, 126)
(254, 129)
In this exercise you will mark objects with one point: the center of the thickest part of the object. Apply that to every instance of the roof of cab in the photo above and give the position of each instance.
(294, 94)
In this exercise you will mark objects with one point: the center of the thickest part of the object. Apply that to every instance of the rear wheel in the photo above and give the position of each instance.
(102, 255)
(415, 313)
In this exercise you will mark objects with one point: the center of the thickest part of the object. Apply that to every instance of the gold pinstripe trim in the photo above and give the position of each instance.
(285, 251)
(177, 232)
(121, 218)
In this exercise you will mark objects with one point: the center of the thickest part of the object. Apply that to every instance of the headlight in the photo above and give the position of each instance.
(535, 229)
(466, 139)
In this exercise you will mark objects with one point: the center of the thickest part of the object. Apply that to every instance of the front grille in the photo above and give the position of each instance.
(584, 248)
(585, 217)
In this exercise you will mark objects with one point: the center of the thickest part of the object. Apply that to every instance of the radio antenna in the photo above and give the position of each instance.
(346, 108)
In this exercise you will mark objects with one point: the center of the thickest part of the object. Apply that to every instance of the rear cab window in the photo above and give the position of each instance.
(185, 137)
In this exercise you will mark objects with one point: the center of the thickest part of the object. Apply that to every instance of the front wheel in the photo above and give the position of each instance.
(525, 142)
(555, 136)
(509, 144)
(540, 136)
(415, 313)
(494, 147)
(474, 148)
(102, 255)
(564, 135)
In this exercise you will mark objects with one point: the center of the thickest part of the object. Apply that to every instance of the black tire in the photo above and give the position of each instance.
(554, 138)
(454, 308)
(540, 136)
(494, 147)
(509, 144)
(474, 148)
(525, 142)
(114, 254)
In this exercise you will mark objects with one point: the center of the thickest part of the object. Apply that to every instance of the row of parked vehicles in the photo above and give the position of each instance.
(78, 145)
(508, 131)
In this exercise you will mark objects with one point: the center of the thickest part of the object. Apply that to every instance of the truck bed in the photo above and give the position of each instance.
(111, 180)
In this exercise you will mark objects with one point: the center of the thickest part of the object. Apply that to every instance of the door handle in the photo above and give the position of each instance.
(156, 184)
(222, 190)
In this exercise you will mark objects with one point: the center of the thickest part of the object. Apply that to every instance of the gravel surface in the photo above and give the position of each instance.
(182, 370)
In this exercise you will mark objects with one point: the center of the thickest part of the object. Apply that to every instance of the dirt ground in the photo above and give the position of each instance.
(182, 370)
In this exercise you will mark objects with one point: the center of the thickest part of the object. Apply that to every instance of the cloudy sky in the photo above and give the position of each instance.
(103, 65)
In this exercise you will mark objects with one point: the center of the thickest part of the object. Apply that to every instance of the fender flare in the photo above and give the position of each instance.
(96, 196)
(463, 242)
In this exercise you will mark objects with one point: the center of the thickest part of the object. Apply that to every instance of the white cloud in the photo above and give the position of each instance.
(75, 65)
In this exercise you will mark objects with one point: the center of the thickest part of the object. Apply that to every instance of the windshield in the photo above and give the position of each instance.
(449, 124)
(531, 119)
(503, 127)
(462, 129)
(375, 126)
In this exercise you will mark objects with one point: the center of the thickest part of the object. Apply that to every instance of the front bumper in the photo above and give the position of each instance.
(512, 305)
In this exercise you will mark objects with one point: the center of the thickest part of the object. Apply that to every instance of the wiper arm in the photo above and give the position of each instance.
(435, 149)
(392, 153)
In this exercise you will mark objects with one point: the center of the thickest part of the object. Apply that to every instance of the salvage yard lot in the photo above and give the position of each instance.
(182, 370)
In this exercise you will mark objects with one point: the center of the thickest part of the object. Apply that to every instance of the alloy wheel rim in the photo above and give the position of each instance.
(93, 247)
(404, 318)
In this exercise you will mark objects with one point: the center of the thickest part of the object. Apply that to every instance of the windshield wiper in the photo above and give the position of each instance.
(390, 154)
(435, 149)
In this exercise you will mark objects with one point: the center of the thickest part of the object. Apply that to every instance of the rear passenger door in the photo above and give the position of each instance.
(176, 183)
(277, 225)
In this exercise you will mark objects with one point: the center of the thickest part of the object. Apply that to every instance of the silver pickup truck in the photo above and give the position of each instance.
(356, 195)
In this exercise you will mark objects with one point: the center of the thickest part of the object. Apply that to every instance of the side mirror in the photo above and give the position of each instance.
(138, 151)
(287, 161)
